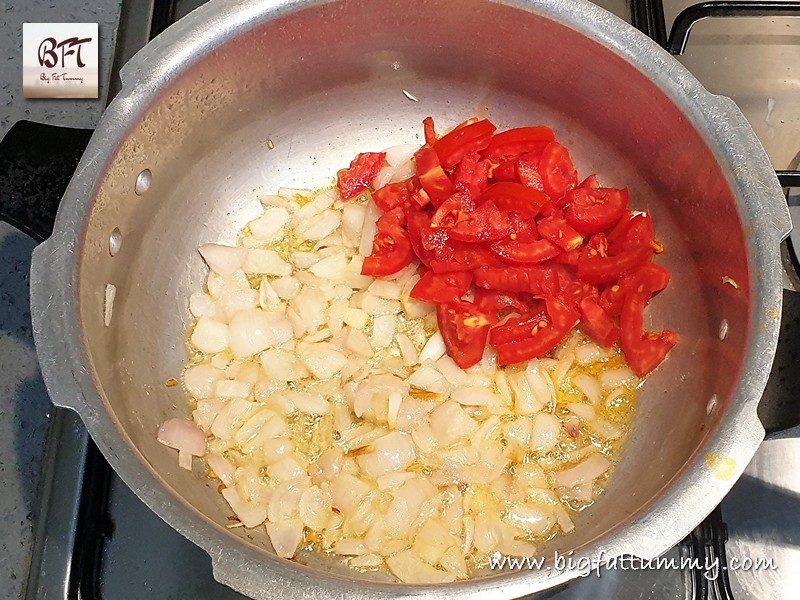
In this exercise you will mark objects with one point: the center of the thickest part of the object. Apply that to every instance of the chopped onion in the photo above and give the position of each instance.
(385, 289)
(201, 305)
(269, 227)
(210, 335)
(450, 423)
(533, 519)
(589, 386)
(544, 436)
(583, 411)
(433, 349)
(407, 350)
(352, 223)
(254, 330)
(383, 327)
(186, 437)
(392, 452)
(588, 470)
(475, 396)
(356, 341)
(268, 298)
(331, 268)
(286, 287)
(383, 177)
(221, 467)
(199, 379)
(285, 536)
(225, 260)
(621, 377)
(323, 361)
(226, 388)
(266, 262)
(369, 228)
(404, 171)
(249, 514)
(320, 226)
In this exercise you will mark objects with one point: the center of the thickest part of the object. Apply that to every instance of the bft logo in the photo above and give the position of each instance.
(48, 57)
(60, 60)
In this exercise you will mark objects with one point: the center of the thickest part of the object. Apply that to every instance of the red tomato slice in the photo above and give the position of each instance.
(492, 302)
(458, 256)
(505, 171)
(542, 338)
(644, 350)
(360, 174)
(391, 250)
(464, 328)
(557, 171)
(516, 141)
(533, 280)
(590, 183)
(611, 268)
(447, 287)
(462, 141)
(514, 197)
(454, 210)
(591, 211)
(559, 232)
(515, 252)
(485, 224)
(471, 175)
(430, 131)
(528, 170)
(651, 278)
(597, 324)
(392, 195)
(432, 177)
(636, 232)
(520, 328)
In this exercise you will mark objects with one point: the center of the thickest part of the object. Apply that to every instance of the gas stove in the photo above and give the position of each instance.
(95, 539)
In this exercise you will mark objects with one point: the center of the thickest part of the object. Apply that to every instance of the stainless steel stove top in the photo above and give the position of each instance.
(95, 539)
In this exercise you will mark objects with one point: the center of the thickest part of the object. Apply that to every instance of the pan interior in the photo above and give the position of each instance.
(329, 81)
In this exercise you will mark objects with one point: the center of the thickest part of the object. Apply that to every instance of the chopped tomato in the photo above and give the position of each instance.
(505, 171)
(447, 287)
(516, 141)
(514, 197)
(458, 256)
(485, 224)
(528, 170)
(533, 280)
(594, 210)
(590, 183)
(651, 278)
(360, 174)
(597, 324)
(432, 177)
(471, 175)
(611, 268)
(560, 233)
(644, 350)
(493, 302)
(557, 171)
(503, 212)
(561, 319)
(464, 328)
(462, 141)
(519, 328)
(392, 195)
(391, 250)
(454, 210)
(430, 131)
(635, 231)
(516, 252)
